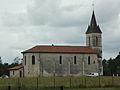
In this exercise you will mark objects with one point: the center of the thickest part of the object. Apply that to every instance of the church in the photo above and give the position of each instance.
(55, 60)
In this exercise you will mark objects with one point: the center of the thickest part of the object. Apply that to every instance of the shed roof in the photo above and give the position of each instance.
(16, 67)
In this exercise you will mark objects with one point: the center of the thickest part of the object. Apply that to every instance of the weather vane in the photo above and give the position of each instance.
(93, 4)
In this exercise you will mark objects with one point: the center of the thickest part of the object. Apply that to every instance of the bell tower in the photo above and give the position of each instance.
(93, 36)
(94, 39)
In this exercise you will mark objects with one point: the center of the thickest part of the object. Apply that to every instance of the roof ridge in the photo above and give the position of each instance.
(62, 45)
(61, 49)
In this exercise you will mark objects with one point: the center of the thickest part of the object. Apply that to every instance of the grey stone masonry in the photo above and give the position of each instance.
(48, 64)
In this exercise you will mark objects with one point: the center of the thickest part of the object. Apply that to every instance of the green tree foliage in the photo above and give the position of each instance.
(111, 66)
(16, 60)
(0, 60)
(4, 67)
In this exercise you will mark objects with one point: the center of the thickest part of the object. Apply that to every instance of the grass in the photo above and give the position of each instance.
(94, 89)
(33, 88)
(68, 82)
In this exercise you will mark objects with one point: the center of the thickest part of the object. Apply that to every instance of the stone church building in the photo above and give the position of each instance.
(55, 60)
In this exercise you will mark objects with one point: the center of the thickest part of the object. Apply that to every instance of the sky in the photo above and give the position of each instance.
(27, 23)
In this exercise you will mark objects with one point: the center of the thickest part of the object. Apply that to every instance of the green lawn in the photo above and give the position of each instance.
(94, 89)
(29, 88)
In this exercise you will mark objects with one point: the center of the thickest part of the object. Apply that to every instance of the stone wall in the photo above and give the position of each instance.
(48, 64)
(92, 41)
(16, 73)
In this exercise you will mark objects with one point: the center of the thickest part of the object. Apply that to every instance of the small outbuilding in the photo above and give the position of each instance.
(17, 71)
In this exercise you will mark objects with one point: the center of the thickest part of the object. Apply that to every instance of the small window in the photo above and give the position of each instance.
(89, 41)
(13, 72)
(96, 38)
(75, 60)
(25, 60)
(33, 60)
(60, 60)
(89, 60)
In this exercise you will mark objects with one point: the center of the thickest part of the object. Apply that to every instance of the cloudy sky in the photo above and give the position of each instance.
(26, 23)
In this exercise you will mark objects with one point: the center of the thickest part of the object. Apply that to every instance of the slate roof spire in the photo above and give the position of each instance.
(93, 20)
(93, 27)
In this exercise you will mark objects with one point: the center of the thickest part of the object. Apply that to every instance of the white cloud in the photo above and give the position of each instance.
(13, 5)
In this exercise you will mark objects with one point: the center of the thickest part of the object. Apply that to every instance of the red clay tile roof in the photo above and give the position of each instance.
(60, 49)
(16, 67)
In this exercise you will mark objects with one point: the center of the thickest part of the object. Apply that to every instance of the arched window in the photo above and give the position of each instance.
(33, 60)
(89, 41)
(75, 60)
(25, 60)
(96, 41)
(89, 60)
(60, 60)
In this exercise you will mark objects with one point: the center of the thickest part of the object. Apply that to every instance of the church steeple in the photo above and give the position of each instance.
(94, 39)
(93, 35)
(93, 27)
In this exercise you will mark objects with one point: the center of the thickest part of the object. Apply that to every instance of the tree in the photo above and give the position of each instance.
(111, 66)
(4, 68)
(1, 67)
(105, 67)
(0, 60)
(17, 60)
(117, 60)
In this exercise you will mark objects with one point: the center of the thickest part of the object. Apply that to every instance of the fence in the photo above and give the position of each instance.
(58, 83)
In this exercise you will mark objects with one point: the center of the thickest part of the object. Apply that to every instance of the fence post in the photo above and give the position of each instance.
(61, 88)
(99, 81)
(9, 87)
(82, 80)
(85, 81)
(18, 81)
(19, 84)
(37, 82)
(112, 80)
(70, 81)
(19, 87)
(54, 80)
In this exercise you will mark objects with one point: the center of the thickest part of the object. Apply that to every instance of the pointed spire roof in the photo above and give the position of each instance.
(93, 20)
(93, 27)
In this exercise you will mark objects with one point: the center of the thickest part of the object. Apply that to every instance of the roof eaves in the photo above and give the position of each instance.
(16, 67)
(64, 52)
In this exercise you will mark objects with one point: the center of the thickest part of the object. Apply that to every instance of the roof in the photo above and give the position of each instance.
(60, 49)
(93, 27)
(16, 67)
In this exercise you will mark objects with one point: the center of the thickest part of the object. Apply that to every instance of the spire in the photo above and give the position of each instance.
(93, 27)
(93, 20)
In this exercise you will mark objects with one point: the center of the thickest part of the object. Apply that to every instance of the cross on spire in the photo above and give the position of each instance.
(93, 4)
